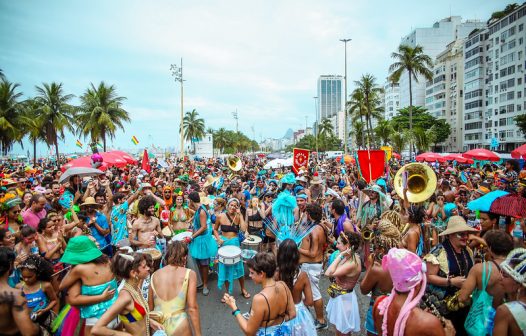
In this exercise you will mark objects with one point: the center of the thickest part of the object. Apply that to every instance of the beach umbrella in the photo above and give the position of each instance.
(501, 203)
(459, 158)
(430, 157)
(79, 171)
(129, 159)
(519, 152)
(481, 154)
(84, 161)
(396, 155)
(113, 159)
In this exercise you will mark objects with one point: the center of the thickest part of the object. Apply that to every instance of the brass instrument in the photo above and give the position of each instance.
(234, 163)
(367, 234)
(452, 302)
(421, 182)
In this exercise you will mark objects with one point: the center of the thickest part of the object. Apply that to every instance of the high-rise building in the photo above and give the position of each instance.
(444, 93)
(391, 99)
(433, 41)
(330, 96)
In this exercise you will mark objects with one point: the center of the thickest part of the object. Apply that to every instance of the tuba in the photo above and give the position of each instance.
(234, 163)
(421, 182)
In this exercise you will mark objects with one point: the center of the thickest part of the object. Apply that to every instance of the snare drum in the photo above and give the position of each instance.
(229, 255)
(182, 236)
(167, 232)
(251, 242)
(156, 256)
(248, 254)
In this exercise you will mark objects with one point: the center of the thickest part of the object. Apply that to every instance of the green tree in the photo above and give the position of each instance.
(495, 16)
(193, 127)
(415, 62)
(441, 131)
(32, 125)
(371, 101)
(101, 113)
(56, 113)
(421, 118)
(326, 127)
(359, 131)
(356, 110)
(220, 139)
(423, 138)
(521, 123)
(383, 131)
(10, 129)
(399, 140)
(2, 75)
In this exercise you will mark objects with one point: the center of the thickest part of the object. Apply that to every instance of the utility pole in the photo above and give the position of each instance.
(236, 117)
(306, 122)
(177, 73)
(317, 125)
(345, 101)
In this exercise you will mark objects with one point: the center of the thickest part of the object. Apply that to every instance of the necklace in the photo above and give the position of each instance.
(140, 299)
(460, 269)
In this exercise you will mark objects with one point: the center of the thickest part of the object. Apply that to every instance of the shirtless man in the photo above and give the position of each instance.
(299, 212)
(311, 259)
(13, 309)
(147, 227)
(405, 269)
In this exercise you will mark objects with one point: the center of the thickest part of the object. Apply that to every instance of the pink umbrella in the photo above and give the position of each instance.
(113, 159)
(430, 157)
(519, 152)
(84, 161)
(459, 158)
(481, 154)
(129, 159)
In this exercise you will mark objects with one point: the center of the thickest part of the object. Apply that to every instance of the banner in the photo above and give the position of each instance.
(371, 164)
(300, 159)
(146, 162)
(388, 151)
(134, 140)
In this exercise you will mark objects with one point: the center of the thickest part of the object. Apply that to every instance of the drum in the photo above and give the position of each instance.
(229, 255)
(167, 232)
(182, 235)
(252, 242)
(123, 243)
(248, 254)
(156, 256)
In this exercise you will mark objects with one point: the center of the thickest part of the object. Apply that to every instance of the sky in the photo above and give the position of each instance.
(261, 58)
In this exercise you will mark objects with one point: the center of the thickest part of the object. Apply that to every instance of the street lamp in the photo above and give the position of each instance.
(177, 73)
(345, 100)
(317, 124)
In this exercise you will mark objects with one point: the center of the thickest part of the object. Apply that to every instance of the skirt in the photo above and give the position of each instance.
(203, 246)
(303, 324)
(230, 272)
(344, 313)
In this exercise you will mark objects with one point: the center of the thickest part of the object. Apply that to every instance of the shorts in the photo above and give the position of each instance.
(314, 273)
(369, 321)
(91, 321)
(202, 262)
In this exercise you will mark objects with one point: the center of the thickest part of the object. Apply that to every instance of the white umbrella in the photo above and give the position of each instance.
(277, 163)
(80, 171)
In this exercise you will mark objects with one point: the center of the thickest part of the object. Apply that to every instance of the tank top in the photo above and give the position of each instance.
(36, 300)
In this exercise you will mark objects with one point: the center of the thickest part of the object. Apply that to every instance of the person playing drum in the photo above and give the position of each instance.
(230, 224)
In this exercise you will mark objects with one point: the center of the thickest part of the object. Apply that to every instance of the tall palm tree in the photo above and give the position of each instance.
(101, 113)
(415, 62)
(56, 114)
(383, 131)
(423, 138)
(220, 139)
(371, 99)
(356, 110)
(193, 127)
(2, 75)
(326, 127)
(358, 128)
(399, 141)
(31, 122)
(10, 130)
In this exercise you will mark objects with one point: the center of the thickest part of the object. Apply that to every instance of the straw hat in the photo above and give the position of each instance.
(89, 201)
(209, 180)
(457, 224)
(315, 180)
(205, 200)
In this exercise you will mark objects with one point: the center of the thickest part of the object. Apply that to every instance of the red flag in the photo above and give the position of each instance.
(300, 159)
(146, 162)
(371, 164)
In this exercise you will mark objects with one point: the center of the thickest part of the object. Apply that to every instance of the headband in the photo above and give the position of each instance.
(233, 199)
(302, 196)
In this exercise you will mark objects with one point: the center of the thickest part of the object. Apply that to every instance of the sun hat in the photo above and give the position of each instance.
(315, 180)
(89, 201)
(301, 179)
(331, 192)
(457, 224)
(209, 180)
(80, 250)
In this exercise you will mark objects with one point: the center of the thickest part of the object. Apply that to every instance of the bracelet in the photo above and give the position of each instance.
(236, 312)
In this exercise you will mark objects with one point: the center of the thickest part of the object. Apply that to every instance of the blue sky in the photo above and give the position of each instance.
(260, 57)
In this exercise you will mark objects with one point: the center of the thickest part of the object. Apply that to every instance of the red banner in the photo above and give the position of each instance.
(371, 163)
(300, 159)
(146, 162)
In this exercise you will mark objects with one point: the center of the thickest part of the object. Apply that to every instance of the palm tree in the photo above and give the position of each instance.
(383, 131)
(358, 127)
(356, 109)
(10, 130)
(101, 113)
(220, 139)
(31, 122)
(415, 62)
(399, 141)
(2, 75)
(326, 127)
(371, 100)
(423, 138)
(193, 127)
(56, 114)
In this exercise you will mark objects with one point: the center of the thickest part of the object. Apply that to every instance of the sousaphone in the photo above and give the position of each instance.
(234, 163)
(421, 182)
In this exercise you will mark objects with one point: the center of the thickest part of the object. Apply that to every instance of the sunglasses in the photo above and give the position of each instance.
(462, 234)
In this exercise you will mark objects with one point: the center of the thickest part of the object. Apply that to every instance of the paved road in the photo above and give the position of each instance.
(216, 318)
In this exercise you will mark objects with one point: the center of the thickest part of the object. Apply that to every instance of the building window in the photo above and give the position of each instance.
(521, 27)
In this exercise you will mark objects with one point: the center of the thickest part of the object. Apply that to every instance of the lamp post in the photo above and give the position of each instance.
(345, 101)
(177, 73)
(317, 125)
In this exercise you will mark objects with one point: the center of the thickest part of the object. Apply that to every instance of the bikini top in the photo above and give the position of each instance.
(137, 314)
(255, 217)
(282, 315)
(229, 228)
(176, 217)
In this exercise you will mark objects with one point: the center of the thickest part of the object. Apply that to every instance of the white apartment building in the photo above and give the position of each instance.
(433, 41)
(506, 93)
(444, 93)
(391, 99)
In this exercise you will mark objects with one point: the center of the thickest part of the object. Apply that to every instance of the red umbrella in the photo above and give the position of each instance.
(396, 155)
(129, 159)
(481, 154)
(459, 158)
(430, 157)
(517, 153)
(113, 159)
(509, 205)
(84, 161)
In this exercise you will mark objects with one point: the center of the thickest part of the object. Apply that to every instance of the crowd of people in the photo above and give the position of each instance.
(128, 251)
